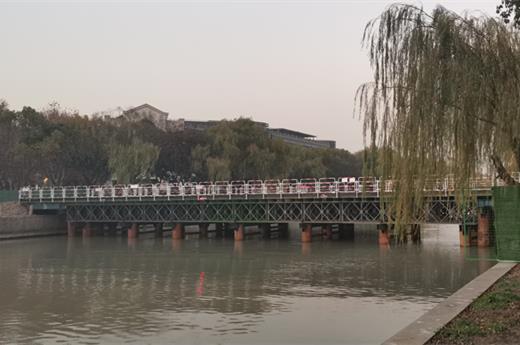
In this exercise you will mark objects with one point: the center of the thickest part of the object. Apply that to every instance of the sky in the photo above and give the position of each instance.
(294, 63)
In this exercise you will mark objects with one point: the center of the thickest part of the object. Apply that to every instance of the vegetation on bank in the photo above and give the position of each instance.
(64, 148)
(491, 319)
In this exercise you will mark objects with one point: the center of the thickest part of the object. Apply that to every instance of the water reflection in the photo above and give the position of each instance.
(162, 291)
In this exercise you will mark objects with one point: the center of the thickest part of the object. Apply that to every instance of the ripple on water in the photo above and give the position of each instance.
(57, 291)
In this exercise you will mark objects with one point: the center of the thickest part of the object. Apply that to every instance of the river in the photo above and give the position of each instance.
(107, 290)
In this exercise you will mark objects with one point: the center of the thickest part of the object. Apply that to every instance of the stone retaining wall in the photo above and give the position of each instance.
(31, 226)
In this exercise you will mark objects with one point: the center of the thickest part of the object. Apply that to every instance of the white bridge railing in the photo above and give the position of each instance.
(288, 188)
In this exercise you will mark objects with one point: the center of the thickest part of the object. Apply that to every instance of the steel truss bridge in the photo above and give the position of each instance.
(324, 200)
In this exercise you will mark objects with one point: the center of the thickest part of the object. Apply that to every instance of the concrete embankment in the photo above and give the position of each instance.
(425, 327)
(15, 222)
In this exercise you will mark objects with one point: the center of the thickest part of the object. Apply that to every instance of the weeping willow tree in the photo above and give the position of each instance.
(134, 162)
(445, 99)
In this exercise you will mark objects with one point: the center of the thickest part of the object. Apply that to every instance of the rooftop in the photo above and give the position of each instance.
(291, 132)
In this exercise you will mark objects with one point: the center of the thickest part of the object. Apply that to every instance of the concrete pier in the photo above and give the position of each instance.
(384, 234)
(306, 235)
(484, 224)
(178, 232)
(239, 233)
(133, 231)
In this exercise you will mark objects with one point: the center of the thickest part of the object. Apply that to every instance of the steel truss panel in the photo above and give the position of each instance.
(438, 210)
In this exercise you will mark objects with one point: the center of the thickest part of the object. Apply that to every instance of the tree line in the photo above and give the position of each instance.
(57, 147)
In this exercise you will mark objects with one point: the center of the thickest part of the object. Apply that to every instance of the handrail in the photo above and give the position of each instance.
(326, 187)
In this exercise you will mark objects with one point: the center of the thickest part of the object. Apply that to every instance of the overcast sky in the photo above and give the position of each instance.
(293, 64)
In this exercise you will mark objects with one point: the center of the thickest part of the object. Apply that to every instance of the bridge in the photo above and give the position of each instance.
(325, 201)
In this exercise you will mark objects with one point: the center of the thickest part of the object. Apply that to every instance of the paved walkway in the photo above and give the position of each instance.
(425, 327)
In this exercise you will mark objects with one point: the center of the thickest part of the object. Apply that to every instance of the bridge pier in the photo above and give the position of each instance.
(384, 234)
(484, 224)
(239, 233)
(71, 229)
(158, 227)
(133, 231)
(178, 232)
(203, 230)
(306, 235)
(326, 231)
(346, 231)
(87, 230)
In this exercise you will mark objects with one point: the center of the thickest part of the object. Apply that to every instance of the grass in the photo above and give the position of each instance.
(461, 329)
(495, 300)
(492, 316)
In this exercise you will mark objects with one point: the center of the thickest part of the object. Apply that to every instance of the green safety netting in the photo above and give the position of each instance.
(506, 202)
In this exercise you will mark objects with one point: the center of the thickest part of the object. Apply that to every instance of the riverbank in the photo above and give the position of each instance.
(427, 326)
(493, 318)
(16, 222)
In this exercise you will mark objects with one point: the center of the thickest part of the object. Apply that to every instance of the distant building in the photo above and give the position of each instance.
(160, 119)
(299, 138)
(147, 112)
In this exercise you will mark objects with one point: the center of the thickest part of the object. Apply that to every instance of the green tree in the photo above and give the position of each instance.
(444, 98)
(134, 162)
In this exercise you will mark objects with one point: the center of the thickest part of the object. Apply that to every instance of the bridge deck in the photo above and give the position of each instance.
(324, 200)
(238, 190)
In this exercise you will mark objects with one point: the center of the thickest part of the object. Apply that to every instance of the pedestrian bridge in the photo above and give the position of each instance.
(312, 200)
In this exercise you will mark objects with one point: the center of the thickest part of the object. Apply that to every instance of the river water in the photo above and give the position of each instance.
(106, 290)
